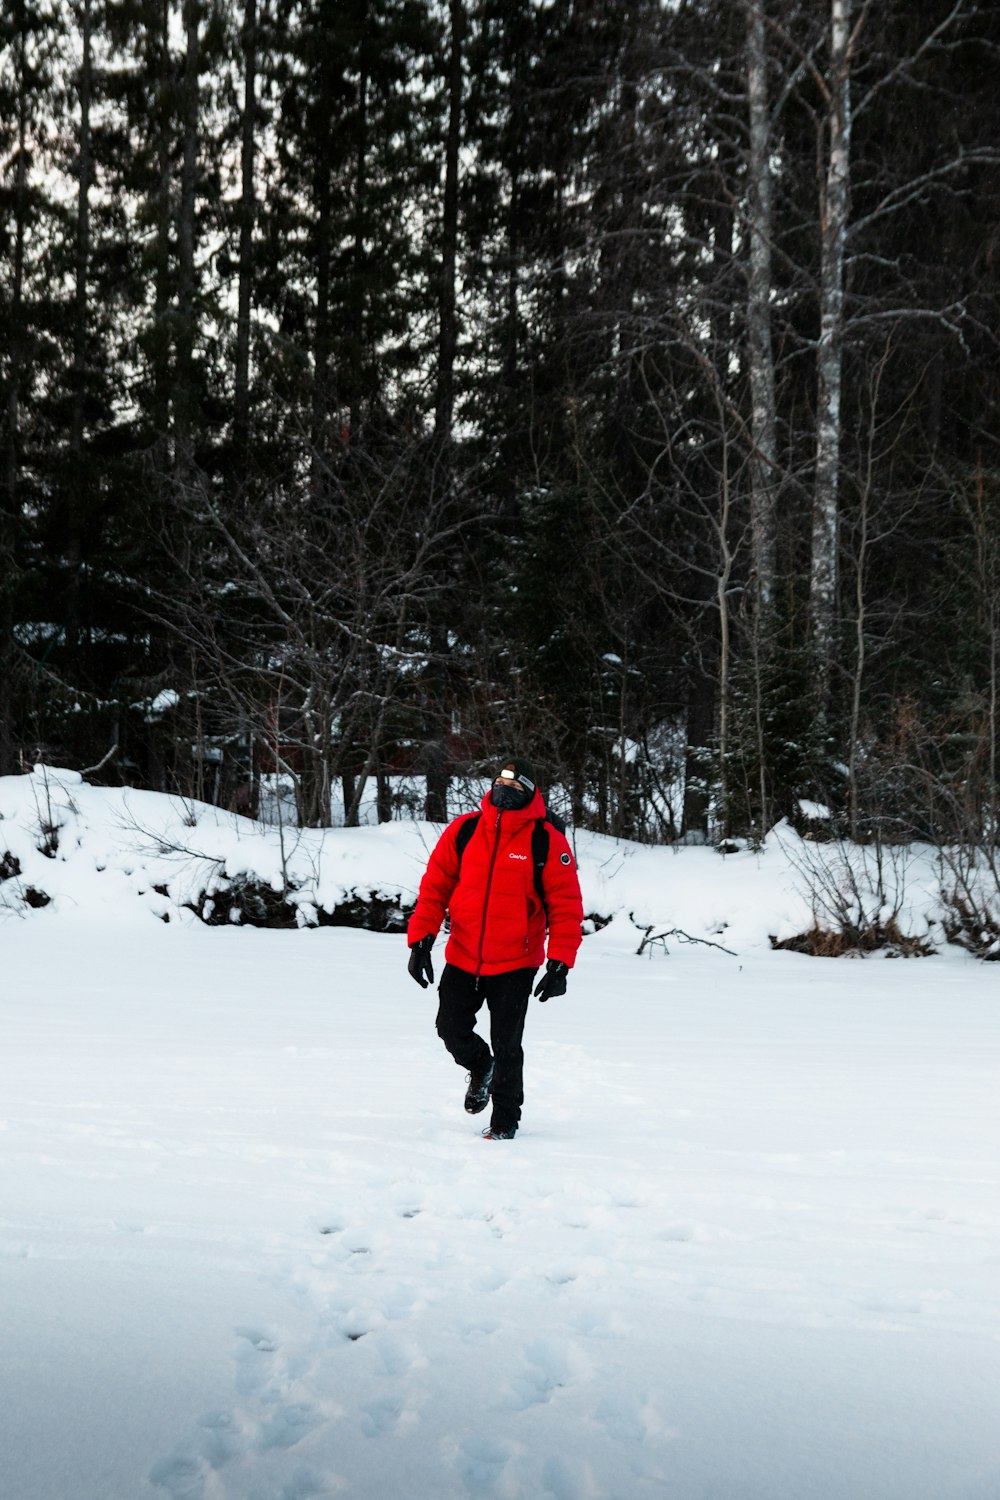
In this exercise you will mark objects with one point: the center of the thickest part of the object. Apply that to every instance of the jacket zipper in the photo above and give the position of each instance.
(486, 898)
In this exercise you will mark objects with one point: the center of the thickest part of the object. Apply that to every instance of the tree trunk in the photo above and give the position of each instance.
(834, 208)
(10, 513)
(248, 214)
(437, 759)
(348, 782)
(185, 375)
(160, 342)
(723, 582)
(511, 456)
(321, 394)
(82, 267)
(78, 477)
(448, 322)
(383, 797)
(763, 426)
(436, 756)
(698, 760)
(359, 300)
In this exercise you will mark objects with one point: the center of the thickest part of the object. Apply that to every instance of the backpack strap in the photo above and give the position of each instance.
(465, 833)
(539, 856)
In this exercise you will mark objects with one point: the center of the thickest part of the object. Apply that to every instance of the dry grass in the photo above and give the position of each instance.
(885, 938)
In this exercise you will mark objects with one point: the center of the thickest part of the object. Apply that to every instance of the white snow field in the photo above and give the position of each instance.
(745, 1247)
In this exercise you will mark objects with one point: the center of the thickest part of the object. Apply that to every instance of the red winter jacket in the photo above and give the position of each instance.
(497, 921)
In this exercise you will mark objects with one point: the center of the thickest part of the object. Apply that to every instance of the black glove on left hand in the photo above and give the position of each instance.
(420, 966)
(553, 981)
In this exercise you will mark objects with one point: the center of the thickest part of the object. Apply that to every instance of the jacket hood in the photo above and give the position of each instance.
(535, 809)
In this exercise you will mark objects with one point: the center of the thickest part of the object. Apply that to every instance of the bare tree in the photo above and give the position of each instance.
(248, 212)
(14, 373)
(833, 220)
(308, 625)
(760, 292)
(436, 757)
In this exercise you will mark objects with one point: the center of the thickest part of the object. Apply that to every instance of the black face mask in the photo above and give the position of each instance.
(509, 798)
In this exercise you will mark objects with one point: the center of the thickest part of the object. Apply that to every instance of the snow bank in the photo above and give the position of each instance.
(252, 1248)
(135, 856)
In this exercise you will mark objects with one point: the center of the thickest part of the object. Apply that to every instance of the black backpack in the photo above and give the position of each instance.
(539, 846)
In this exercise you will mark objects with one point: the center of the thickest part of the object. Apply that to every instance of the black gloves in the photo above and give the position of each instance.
(420, 965)
(553, 981)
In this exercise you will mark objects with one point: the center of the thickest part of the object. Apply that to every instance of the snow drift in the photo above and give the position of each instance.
(134, 856)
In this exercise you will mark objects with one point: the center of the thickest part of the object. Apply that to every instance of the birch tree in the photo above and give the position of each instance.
(249, 43)
(184, 380)
(760, 360)
(437, 687)
(760, 230)
(834, 208)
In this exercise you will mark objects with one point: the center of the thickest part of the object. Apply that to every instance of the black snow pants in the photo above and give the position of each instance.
(461, 999)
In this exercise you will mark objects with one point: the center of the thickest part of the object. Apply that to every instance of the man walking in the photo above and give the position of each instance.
(503, 874)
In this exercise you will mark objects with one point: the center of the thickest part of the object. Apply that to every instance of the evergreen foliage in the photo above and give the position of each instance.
(378, 382)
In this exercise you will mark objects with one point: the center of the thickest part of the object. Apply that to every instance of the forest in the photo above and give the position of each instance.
(388, 383)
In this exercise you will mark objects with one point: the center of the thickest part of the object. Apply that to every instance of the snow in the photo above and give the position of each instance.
(132, 855)
(155, 708)
(251, 1247)
(816, 811)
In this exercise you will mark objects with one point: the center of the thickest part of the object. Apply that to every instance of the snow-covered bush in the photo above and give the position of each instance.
(138, 857)
(857, 894)
(970, 896)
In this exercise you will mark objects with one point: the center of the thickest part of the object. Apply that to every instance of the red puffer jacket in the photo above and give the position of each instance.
(497, 921)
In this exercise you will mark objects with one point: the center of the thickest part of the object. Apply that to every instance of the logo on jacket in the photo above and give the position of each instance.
(512, 855)
(564, 859)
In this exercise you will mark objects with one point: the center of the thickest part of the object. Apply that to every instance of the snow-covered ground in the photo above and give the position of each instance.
(745, 1247)
(120, 855)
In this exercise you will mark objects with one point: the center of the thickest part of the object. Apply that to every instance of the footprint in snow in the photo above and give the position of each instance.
(550, 1365)
(480, 1463)
(229, 1446)
(566, 1479)
(478, 1329)
(308, 1485)
(183, 1477)
(255, 1360)
(224, 1438)
(683, 1233)
(398, 1358)
(399, 1299)
(262, 1342)
(591, 1323)
(490, 1281)
(288, 1426)
(382, 1415)
(627, 1419)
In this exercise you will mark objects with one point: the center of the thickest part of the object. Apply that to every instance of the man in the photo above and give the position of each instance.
(503, 874)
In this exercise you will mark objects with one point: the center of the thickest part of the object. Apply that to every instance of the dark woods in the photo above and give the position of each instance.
(387, 382)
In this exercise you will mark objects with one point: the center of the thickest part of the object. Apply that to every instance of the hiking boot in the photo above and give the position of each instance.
(478, 1093)
(499, 1132)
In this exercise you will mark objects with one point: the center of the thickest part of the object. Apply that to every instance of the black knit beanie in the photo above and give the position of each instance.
(523, 770)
